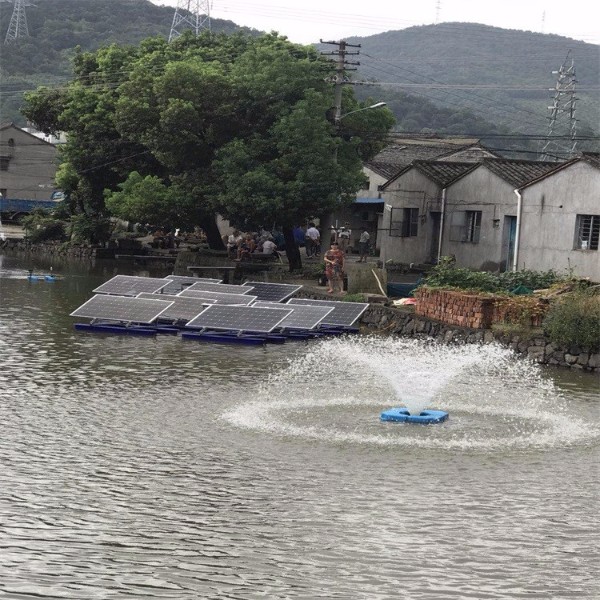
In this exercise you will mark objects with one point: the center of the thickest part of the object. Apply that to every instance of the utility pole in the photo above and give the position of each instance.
(17, 27)
(340, 79)
(190, 14)
(562, 130)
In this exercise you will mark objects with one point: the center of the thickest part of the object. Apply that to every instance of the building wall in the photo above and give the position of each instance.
(410, 190)
(479, 190)
(32, 165)
(549, 220)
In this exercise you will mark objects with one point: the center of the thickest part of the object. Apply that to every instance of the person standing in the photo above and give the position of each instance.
(312, 240)
(363, 244)
(334, 268)
(344, 237)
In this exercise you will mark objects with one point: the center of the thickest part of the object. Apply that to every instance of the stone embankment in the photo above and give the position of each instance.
(537, 347)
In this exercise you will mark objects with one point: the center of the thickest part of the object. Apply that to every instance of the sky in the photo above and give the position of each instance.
(308, 21)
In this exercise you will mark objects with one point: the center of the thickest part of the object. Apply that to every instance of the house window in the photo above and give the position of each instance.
(465, 226)
(587, 232)
(472, 226)
(404, 222)
(4, 160)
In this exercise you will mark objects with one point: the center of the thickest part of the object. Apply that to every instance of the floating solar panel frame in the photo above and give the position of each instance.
(221, 288)
(131, 285)
(272, 292)
(183, 308)
(180, 282)
(345, 313)
(240, 299)
(239, 318)
(122, 309)
(304, 316)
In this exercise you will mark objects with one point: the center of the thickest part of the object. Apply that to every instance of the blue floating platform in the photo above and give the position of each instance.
(401, 415)
(221, 338)
(117, 329)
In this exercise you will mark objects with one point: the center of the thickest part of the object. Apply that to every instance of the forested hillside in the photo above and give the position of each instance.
(415, 70)
(505, 74)
(57, 27)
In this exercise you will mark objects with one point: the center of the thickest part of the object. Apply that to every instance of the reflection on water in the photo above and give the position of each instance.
(157, 468)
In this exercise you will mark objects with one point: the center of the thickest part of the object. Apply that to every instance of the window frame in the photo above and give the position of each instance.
(587, 232)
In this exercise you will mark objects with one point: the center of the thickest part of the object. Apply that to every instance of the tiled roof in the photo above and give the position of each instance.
(519, 172)
(442, 172)
(403, 151)
(386, 170)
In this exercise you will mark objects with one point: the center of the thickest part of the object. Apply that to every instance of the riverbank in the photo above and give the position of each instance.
(378, 318)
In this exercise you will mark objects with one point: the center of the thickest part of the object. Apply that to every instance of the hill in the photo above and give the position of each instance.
(412, 68)
(505, 74)
(57, 27)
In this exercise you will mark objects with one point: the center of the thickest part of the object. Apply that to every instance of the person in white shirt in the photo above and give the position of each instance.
(312, 240)
(233, 242)
(269, 247)
(363, 244)
(343, 237)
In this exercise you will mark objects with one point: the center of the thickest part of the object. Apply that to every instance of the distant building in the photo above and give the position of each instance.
(367, 210)
(498, 214)
(27, 165)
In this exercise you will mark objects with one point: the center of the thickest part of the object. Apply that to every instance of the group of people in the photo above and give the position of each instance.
(241, 246)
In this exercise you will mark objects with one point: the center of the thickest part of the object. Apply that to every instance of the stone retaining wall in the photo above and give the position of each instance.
(537, 347)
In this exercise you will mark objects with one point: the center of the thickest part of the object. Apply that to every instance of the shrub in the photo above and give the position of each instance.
(41, 227)
(574, 320)
(447, 275)
(89, 228)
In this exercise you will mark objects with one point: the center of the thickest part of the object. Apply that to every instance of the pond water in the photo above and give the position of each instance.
(159, 468)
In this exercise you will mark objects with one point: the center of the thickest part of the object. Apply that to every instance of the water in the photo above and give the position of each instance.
(157, 468)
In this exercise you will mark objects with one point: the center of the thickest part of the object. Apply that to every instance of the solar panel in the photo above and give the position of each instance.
(182, 309)
(221, 288)
(121, 308)
(304, 316)
(272, 292)
(129, 285)
(180, 282)
(243, 299)
(240, 318)
(344, 313)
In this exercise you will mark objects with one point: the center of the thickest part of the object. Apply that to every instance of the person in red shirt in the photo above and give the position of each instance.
(334, 268)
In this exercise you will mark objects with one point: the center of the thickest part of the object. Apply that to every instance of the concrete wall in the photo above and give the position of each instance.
(549, 220)
(410, 190)
(31, 167)
(479, 190)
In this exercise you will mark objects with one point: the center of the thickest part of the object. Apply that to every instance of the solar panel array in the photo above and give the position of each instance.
(122, 308)
(180, 282)
(222, 288)
(242, 299)
(302, 317)
(129, 285)
(240, 318)
(272, 292)
(182, 308)
(344, 313)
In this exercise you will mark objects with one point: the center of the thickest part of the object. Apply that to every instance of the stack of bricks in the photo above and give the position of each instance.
(455, 308)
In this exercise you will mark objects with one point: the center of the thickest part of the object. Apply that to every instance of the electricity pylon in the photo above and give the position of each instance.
(190, 14)
(562, 130)
(17, 27)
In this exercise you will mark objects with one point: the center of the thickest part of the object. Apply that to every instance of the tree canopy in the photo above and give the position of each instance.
(229, 124)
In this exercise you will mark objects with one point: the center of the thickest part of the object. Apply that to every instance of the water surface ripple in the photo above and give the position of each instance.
(136, 468)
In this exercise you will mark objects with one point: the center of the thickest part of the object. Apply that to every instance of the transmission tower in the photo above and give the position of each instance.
(438, 9)
(561, 140)
(190, 14)
(17, 27)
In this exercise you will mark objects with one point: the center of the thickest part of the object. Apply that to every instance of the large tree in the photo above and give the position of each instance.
(236, 125)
